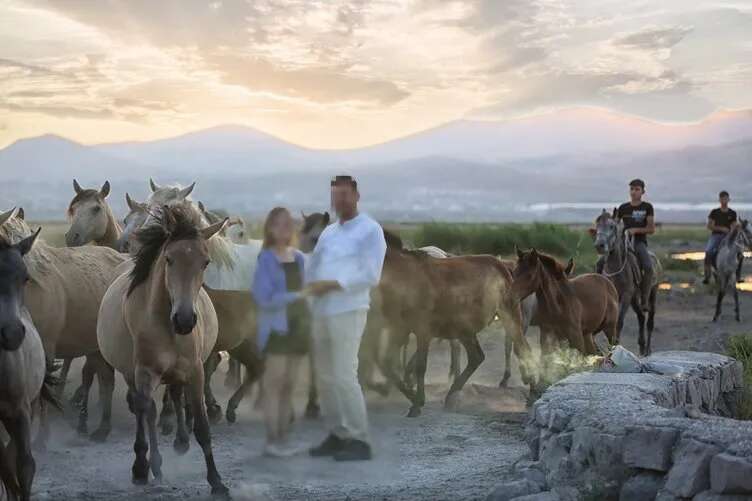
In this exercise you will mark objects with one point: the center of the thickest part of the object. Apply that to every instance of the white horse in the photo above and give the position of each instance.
(727, 264)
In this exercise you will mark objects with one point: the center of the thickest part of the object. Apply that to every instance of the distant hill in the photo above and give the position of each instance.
(464, 170)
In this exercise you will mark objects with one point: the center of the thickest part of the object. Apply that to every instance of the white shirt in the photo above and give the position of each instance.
(352, 253)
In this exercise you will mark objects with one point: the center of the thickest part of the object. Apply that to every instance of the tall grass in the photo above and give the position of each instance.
(559, 240)
(740, 348)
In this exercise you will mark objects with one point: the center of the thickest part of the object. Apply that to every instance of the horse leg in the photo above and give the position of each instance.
(202, 432)
(8, 478)
(623, 307)
(81, 396)
(455, 354)
(421, 363)
(143, 389)
(167, 416)
(736, 303)
(739, 278)
(233, 378)
(188, 409)
(246, 354)
(409, 371)
(182, 441)
(43, 433)
(313, 410)
(106, 376)
(637, 308)
(387, 367)
(63, 377)
(512, 322)
(213, 409)
(475, 357)
(19, 428)
(507, 359)
(719, 299)
(651, 319)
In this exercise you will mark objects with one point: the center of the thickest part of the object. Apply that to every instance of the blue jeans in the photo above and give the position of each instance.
(711, 249)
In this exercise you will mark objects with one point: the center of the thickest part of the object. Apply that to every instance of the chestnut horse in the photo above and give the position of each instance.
(573, 309)
(449, 298)
(157, 325)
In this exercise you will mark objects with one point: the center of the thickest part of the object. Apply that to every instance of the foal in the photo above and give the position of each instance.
(157, 325)
(571, 309)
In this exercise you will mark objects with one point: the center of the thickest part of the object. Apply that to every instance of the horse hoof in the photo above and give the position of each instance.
(504, 381)
(99, 436)
(181, 446)
(231, 416)
(312, 412)
(413, 412)
(140, 479)
(167, 428)
(221, 492)
(215, 413)
(452, 402)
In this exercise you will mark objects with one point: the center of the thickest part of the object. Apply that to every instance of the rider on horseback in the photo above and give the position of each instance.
(721, 220)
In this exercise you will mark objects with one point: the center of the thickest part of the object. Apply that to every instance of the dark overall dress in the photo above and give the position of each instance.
(296, 341)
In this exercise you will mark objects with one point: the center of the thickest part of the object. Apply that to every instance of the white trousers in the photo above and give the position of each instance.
(336, 341)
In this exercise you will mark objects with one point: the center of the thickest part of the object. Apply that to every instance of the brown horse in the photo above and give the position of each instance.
(157, 325)
(63, 297)
(22, 370)
(573, 309)
(450, 298)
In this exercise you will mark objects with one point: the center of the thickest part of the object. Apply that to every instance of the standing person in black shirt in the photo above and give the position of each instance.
(639, 220)
(720, 221)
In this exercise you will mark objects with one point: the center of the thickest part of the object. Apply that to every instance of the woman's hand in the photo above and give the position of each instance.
(321, 287)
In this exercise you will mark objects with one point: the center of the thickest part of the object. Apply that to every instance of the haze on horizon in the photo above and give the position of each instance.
(349, 73)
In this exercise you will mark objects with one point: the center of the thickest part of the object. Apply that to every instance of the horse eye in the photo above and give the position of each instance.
(96, 209)
(207, 263)
(169, 261)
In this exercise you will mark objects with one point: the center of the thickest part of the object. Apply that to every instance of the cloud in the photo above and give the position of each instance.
(319, 84)
(654, 37)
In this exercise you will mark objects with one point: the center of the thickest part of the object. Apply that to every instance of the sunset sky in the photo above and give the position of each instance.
(337, 73)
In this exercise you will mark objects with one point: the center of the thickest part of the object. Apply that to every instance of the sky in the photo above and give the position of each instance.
(349, 73)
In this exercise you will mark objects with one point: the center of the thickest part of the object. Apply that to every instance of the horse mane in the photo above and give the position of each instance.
(730, 239)
(14, 230)
(551, 265)
(393, 241)
(183, 225)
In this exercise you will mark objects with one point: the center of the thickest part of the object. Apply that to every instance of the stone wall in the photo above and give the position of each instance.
(636, 437)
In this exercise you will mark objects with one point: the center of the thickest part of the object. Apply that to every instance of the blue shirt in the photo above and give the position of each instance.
(269, 290)
(352, 253)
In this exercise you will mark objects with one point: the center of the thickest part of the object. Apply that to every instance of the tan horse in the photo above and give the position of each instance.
(157, 325)
(63, 297)
(573, 309)
(92, 219)
(450, 298)
(22, 370)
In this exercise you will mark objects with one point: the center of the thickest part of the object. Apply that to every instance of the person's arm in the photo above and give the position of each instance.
(716, 228)
(372, 252)
(263, 288)
(649, 228)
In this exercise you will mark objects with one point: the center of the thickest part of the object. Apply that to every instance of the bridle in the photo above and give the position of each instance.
(627, 245)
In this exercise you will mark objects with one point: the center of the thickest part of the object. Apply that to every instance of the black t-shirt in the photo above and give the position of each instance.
(635, 217)
(721, 218)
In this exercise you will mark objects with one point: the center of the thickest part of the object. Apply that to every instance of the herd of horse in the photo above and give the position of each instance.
(159, 297)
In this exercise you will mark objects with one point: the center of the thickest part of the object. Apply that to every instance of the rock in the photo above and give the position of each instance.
(568, 493)
(641, 487)
(730, 475)
(558, 420)
(664, 495)
(512, 490)
(543, 496)
(534, 475)
(649, 448)
(691, 471)
(712, 496)
(555, 449)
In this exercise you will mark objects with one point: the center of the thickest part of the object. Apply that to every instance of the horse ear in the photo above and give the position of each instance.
(212, 230)
(7, 215)
(518, 252)
(25, 245)
(533, 252)
(302, 214)
(615, 213)
(187, 191)
(20, 214)
(570, 267)
(105, 190)
(77, 187)
(132, 204)
(201, 206)
(154, 186)
(327, 218)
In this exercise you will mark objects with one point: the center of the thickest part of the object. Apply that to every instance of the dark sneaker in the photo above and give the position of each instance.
(354, 450)
(329, 447)
(706, 280)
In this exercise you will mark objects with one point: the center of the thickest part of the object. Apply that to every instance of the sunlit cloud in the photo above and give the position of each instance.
(344, 73)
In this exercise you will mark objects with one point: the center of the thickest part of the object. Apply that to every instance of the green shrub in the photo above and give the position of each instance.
(740, 348)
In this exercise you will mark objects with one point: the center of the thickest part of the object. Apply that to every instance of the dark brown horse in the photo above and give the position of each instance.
(572, 309)
(450, 298)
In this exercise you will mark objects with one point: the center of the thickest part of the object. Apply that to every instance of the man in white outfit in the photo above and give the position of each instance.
(345, 265)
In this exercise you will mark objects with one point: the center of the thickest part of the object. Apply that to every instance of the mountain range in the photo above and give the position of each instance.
(463, 170)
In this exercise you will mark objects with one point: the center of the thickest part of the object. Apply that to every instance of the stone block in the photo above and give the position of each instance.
(730, 475)
(649, 448)
(690, 473)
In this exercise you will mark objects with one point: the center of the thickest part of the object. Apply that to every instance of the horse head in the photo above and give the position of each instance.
(745, 232)
(137, 214)
(313, 225)
(89, 215)
(526, 274)
(13, 278)
(606, 233)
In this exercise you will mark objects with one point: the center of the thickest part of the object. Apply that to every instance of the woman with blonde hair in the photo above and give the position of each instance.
(283, 326)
